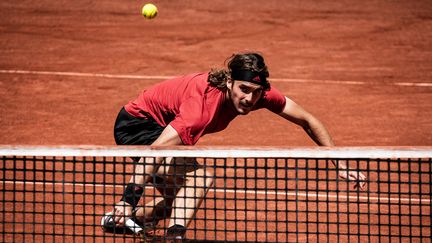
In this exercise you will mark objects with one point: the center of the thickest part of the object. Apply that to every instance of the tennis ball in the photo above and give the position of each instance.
(149, 11)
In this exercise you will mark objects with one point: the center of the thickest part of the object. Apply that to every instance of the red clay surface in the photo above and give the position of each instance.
(378, 42)
(314, 51)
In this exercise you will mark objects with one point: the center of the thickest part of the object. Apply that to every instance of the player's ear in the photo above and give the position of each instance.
(229, 83)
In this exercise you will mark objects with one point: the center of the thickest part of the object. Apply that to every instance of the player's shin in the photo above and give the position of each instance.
(190, 197)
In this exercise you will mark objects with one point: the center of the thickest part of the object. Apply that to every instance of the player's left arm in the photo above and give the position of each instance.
(319, 134)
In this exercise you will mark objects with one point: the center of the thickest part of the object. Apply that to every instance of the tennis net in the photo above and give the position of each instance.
(255, 194)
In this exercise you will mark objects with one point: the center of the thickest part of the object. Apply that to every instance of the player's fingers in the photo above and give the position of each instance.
(353, 175)
(118, 215)
(361, 180)
(121, 221)
(356, 176)
(343, 174)
(363, 177)
(361, 185)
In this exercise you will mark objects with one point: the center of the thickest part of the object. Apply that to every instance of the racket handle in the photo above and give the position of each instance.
(133, 226)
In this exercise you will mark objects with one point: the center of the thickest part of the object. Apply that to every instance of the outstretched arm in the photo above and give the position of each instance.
(316, 130)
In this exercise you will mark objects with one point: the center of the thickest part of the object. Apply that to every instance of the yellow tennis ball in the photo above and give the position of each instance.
(149, 11)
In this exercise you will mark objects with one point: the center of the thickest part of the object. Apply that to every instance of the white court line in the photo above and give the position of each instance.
(77, 74)
(334, 197)
(153, 77)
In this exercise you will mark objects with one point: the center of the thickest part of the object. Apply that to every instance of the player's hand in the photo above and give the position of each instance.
(354, 175)
(122, 212)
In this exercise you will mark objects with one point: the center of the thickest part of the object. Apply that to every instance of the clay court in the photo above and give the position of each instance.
(363, 68)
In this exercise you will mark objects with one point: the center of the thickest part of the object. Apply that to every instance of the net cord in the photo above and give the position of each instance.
(221, 152)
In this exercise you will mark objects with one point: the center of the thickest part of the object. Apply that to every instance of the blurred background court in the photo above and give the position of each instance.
(362, 67)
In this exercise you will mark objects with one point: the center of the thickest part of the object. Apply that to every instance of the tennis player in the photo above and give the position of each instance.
(182, 110)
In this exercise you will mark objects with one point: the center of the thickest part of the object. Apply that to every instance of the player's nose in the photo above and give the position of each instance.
(248, 98)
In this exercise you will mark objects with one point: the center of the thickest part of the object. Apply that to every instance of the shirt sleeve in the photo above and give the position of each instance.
(191, 120)
(273, 100)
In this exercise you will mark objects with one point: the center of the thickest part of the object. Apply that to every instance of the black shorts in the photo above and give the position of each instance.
(130, 130)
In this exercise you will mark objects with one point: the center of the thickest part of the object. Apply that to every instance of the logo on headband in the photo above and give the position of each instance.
(256, 79)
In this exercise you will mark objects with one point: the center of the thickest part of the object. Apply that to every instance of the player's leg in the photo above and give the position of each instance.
(152, 211)
(160, 206)
(146, 215)
(197, 181)
(130, 130)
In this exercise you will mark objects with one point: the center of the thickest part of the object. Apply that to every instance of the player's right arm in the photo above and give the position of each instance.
(318, 133)
(123, 209)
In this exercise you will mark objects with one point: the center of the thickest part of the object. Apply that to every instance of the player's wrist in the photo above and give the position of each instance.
(132, 194)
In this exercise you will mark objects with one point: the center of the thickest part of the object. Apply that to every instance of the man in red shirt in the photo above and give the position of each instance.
(180, 111)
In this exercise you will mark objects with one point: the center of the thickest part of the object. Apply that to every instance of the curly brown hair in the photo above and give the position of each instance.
(241, 61)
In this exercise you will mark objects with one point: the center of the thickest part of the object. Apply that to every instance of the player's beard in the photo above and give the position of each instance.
(237, 105)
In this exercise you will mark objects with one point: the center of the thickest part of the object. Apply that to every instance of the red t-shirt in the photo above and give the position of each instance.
(193, 107)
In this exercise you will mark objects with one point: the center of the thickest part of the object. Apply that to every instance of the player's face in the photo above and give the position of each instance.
(244, 95)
